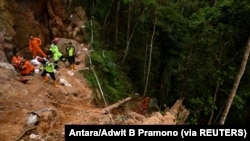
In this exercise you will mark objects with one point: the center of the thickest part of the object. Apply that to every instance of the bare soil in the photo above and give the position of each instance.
(71, 103)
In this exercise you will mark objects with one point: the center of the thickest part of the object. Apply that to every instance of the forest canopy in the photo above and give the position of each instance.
(171, 49)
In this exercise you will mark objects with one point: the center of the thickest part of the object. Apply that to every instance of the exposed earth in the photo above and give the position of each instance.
(71, 103)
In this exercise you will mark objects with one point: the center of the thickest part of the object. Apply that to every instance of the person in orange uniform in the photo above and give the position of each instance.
(34, 46)
(27, 68)
(21, 65)
(16, 60)
(145, 103)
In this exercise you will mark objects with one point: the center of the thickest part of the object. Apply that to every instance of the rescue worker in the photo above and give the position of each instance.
(48, 68)
(16, 60)
(70, 53)
(145, 103)
(35, 46)
(26, 68)
(57, 55)
(22, 65)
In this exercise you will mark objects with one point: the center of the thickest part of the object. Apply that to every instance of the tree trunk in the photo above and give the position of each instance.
(117, 22)
(128, 32)
(106, 17)
(116, 105)
(236, 84)
(150, 56)
(174, 110)
(129, 35)
(214, 100)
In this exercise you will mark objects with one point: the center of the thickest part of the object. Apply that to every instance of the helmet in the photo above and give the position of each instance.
(40, 59)
(55, 40)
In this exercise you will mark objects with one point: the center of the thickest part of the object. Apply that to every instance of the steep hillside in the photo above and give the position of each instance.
(71, 103)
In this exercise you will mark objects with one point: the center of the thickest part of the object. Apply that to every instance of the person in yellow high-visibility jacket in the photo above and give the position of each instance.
(48, 68)
(57, 55)
(71, 55)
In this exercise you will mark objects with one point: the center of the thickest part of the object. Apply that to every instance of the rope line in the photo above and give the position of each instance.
(92, 68)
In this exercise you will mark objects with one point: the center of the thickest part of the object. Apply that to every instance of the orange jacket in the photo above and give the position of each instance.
(22, 65)
(145, 103)
(16, 60)
(27, 68)
(34, 44)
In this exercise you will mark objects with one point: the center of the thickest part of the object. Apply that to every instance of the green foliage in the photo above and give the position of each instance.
(114, 83)
(96, 30)
(91, 78)
(202, 17)
(200, 106)
(197, 50)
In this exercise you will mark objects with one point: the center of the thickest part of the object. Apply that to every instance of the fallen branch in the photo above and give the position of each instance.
(111, 107)
(175, 109)
(25, 131)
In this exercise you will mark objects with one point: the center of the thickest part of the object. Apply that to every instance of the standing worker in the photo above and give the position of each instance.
(35, 46)
(70, 51)
(48, 68)
(56, 52)
(145, 103)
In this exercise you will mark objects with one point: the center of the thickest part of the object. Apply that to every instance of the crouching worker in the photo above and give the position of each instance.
(21, 65)
(15, 61)
(27, 68)
(48, 68)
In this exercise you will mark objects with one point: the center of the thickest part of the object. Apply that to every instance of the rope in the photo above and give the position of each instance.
(90, 62)
(69, 6)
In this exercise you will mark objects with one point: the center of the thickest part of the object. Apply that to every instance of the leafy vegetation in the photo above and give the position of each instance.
(197, 50)
(113, 83)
